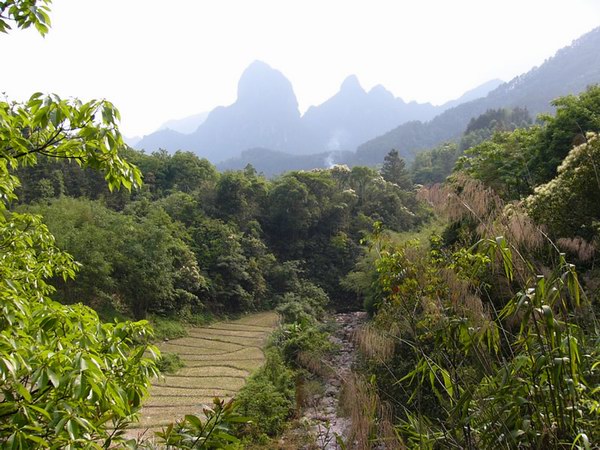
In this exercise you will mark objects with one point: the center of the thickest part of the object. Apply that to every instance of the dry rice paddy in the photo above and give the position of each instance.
(218, 359)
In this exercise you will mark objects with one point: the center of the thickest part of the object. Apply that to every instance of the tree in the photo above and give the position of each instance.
(504, 162)
(25, 13)
(433, 166)
(394, 170)
(66, 379)
(568, 204)
(575, 116)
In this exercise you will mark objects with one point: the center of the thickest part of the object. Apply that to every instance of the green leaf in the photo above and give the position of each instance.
(38, 440)
(42, 411)
(54, 378)
(23, 392)
(194, 421)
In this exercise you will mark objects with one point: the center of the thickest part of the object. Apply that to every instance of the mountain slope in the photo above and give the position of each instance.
(570, 71)
(266, 115)
(473, 94)
(352, 115)
(187, 124)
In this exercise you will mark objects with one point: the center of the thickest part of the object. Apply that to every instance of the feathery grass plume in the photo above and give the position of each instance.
(313, 362)
(465, 197)
(578, 246)
(457, 288)
(520, 229)
(387, 435)
(360, 402)
(374, 344)
(433, 195)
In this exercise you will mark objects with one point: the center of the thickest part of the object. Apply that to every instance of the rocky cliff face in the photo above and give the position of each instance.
(266, 115)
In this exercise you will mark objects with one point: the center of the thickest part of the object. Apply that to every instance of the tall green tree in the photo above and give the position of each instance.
(66, 379)
(394, 170)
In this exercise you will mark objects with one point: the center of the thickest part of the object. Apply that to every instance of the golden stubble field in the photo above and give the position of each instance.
(218, 359)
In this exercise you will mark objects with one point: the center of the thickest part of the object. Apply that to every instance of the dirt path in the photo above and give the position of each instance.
(218, 359)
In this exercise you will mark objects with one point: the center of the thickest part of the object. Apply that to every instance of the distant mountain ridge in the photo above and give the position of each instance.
(353, 115)
(185, 125)
(570, 71)
(340, 124)
(265, 115)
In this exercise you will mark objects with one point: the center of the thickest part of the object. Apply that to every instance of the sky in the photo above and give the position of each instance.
(161, 60)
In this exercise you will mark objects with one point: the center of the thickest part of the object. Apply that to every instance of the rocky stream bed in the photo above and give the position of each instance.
(323, 413)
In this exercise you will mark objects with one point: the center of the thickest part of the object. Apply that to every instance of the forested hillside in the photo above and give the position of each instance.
(209, 241)
(570, 71)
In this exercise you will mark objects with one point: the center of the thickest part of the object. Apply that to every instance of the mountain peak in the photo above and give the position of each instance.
(260, 83)
(351, 84)
(381, 92)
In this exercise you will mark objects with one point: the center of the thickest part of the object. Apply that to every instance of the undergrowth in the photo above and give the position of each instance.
(169, 362)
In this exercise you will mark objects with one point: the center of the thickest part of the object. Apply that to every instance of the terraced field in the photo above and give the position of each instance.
(218, 359)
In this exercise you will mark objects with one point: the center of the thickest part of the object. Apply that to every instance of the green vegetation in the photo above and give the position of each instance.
(66, 379)
(294, 357)
(433, 166)
(484, 336)
(487, 337)
(268, 396)
(214, 432)
(225, 244)
(169, 362)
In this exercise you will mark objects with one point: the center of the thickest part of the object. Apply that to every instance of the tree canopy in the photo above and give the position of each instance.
(66, 379)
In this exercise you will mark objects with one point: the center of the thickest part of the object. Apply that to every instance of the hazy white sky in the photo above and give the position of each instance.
(160, 60)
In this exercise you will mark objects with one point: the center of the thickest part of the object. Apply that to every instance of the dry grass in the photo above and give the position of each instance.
(371, 420)
(213, 371)
(218, 359)
(467, 197)
(581, 248)
(264, 320)
(244, 353)
(227, 339)
(359, 401)
(250, 334)
(248, 365)
(158, 417)
(315, 364)
(214, 382)
(171, 394)
(387, 433)
(160, 400)
(198, 346)
(233, 326)
(373, 344)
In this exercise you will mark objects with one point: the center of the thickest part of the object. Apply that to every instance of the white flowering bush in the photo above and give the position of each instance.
(569, 205)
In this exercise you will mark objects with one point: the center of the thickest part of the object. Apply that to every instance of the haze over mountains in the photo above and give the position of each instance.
(264, 126)
(266, 115)
(570, 71)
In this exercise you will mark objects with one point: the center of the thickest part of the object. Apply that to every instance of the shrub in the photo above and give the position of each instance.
(169, 362)
(268, 396)
(212, 432)
(165, 328)
(296, 339)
